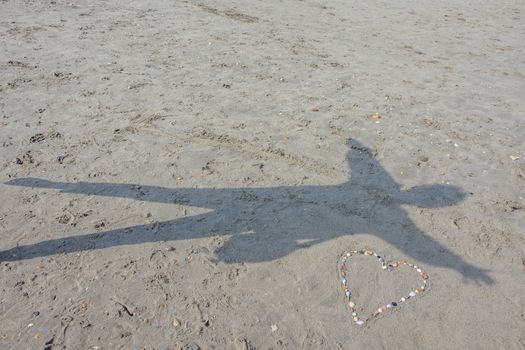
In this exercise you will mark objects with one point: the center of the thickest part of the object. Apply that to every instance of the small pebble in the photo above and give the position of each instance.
(412, 294)
(360, 323)
(351, 304)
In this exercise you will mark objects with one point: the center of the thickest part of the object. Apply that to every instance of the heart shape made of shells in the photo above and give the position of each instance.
(391, 266)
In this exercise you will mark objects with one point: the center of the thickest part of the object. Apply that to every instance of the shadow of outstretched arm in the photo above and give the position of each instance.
(161, 231)
(421, 247)
(188, 196)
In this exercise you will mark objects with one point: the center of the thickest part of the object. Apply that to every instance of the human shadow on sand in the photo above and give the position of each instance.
(267, 223)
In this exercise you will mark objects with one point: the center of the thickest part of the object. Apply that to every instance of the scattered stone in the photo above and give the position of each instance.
(37, 138)
(17, 64)
(62, 75)
(83, 307)
(60, 159)
(49, 344)
(126, 308)
(274, 328)
(43, 136)
(100, 224)
(85, 324)
(64, 219)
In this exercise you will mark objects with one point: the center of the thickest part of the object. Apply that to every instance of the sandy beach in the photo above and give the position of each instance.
(187, 174)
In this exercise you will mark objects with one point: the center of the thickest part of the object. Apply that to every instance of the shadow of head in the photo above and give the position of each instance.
(432, 196)
(366, 171)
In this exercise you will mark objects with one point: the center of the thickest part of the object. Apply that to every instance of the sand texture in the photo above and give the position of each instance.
(186, 174)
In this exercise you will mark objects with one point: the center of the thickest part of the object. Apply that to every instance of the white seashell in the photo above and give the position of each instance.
(360, 323)
(379, 310)
(412, 294)
(418, 270)
(344, 281)
(389, 306)
(403, 299)
(354, 314)
(351, 304)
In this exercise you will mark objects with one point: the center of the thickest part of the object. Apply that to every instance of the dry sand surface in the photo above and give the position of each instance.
(186, 174)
